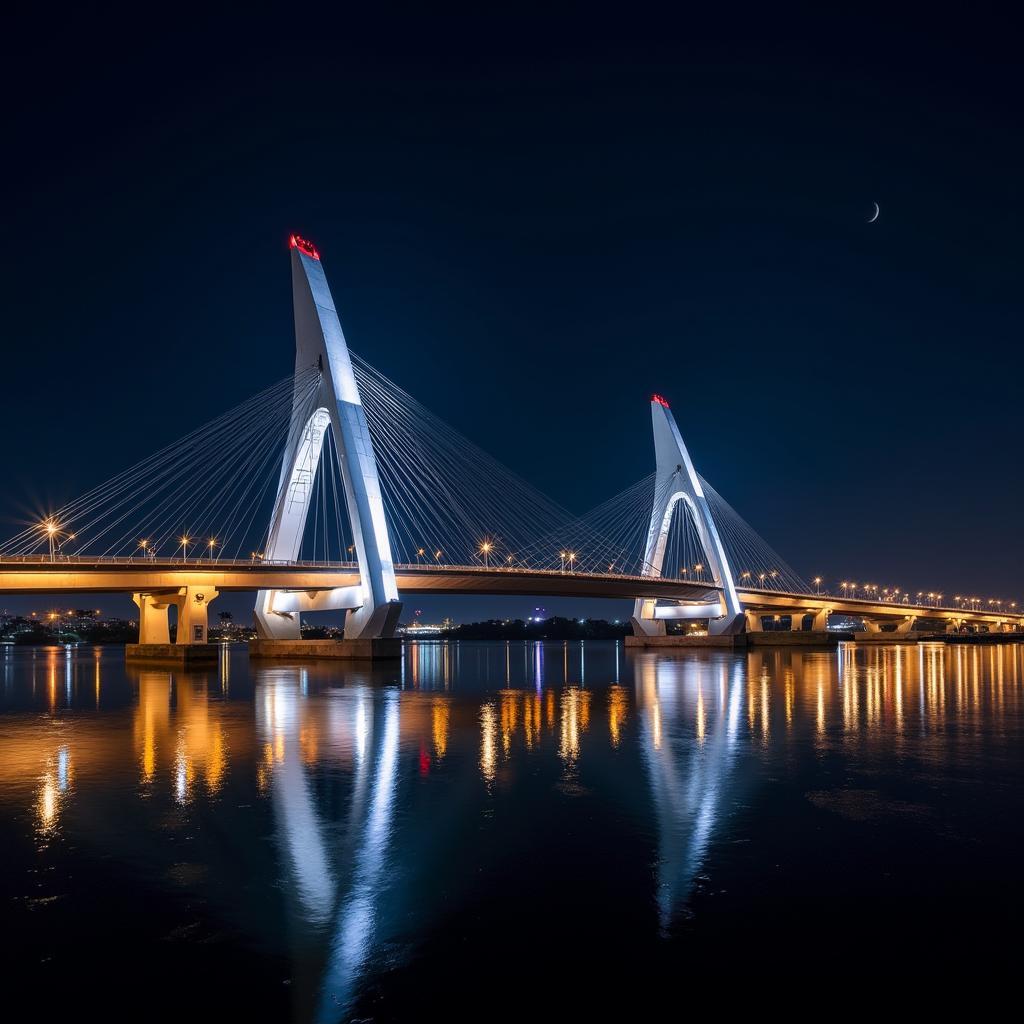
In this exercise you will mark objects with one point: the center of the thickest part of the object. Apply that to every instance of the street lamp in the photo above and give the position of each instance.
(485, 550)
(572, 559)
(212, 545)
(184, 548)
(50, 529)
(817, 584)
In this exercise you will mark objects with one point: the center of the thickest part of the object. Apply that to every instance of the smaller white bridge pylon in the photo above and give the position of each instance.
(677, 481)
(373, 607)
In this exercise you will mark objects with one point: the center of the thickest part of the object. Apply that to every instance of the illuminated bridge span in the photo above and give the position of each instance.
(335, 489)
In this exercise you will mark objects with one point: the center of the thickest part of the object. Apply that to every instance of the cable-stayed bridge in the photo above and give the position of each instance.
(336, 489)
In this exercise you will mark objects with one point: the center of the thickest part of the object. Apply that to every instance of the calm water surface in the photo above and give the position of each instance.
(492, 828)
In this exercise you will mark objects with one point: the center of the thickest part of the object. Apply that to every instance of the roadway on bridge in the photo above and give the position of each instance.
(82, 575)
(152, 576)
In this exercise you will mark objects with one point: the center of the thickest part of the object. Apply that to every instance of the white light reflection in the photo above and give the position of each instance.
(688, 775)
(278, 721)
(356, 921)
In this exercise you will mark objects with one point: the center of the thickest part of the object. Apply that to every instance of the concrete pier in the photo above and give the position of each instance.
(738, 641)
(894, 637)
(379, 649)
(796, 638)
(183, 655)
(743, 641)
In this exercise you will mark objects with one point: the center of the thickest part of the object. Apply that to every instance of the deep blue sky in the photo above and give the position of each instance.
(531, 225)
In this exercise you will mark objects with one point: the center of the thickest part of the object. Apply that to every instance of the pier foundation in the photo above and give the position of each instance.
(183, 655)
(370, 649)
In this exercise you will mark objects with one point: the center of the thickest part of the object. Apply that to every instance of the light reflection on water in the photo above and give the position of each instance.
(386, 791)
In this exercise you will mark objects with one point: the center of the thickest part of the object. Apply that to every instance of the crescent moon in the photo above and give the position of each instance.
(874, 216)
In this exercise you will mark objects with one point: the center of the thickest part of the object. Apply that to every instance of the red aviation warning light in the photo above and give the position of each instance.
(308, 248)
(659, 400)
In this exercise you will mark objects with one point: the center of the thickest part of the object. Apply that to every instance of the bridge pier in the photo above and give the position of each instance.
(153, 617)
(192, 642)
(364, 649)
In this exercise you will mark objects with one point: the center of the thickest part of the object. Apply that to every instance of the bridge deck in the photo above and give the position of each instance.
(80, 575)
(38, 575)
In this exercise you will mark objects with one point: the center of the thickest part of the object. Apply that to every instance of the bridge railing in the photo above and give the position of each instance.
(45, 559)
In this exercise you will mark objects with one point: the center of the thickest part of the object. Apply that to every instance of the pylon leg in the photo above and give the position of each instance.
(320, 343)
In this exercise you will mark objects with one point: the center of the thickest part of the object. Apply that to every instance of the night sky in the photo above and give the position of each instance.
(531, 224)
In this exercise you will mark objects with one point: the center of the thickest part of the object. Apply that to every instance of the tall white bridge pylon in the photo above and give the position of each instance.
(373, 606)
(677, 481)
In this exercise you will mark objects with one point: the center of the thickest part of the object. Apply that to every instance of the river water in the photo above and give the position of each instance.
(494, 829)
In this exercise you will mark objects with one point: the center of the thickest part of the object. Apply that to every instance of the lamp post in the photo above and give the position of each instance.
(51, 535)
(184, 548)
(485, 550)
